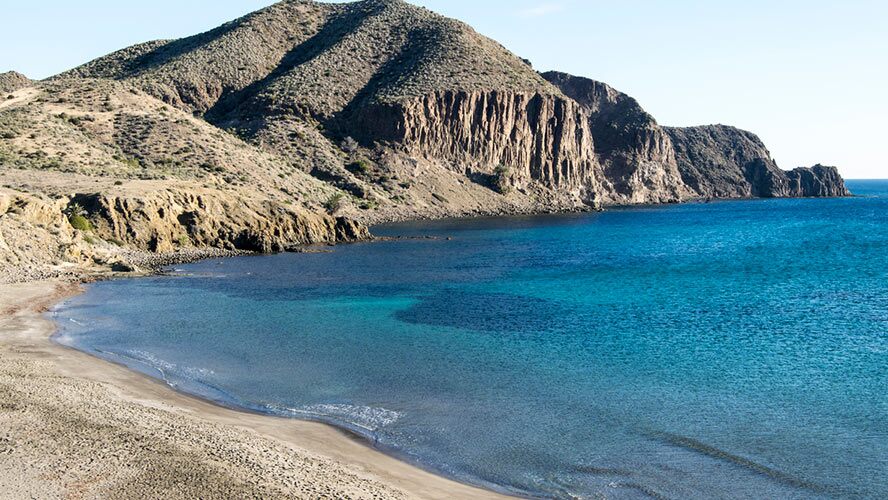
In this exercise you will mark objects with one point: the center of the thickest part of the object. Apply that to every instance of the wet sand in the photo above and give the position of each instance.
(74, 426)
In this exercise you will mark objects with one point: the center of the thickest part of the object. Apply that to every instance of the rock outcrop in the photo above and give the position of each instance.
(249, 136)
(818, 181)
(301, 78)
(543, 138)
(635, 153)
(164, 220)
(38, 238)
(718, 161)
(12, 81)
(34, 232)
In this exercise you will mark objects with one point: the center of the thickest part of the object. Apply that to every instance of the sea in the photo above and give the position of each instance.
(734, 349)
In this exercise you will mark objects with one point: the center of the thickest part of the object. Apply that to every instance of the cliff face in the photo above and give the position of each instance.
(163, 221)
(37, 239)
(725, 162)
(635, 153)
(33, 232)
(718, 161)
(817, 181)
(543, 138)
(301, 80)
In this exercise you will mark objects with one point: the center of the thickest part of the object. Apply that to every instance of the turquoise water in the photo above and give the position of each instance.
(735, 349)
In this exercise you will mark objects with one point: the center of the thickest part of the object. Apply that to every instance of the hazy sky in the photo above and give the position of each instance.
(810, 77)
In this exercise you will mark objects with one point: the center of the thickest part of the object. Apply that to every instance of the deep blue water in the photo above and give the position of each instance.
(735, 349)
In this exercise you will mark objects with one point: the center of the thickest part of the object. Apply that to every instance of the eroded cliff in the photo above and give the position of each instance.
(281, 127)
(718, 161)
(635, 153)
(543, 138)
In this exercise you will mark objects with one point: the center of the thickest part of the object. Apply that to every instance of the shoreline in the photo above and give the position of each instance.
(61, 408)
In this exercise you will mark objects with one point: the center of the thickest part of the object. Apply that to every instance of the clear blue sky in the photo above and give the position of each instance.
(810, 77)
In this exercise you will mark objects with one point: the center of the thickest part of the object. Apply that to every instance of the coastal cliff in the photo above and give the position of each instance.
(165, 220)
(46, 236)
(719, 161)
(818, 181)
(305, 122)
(635, 152)
(542, 138)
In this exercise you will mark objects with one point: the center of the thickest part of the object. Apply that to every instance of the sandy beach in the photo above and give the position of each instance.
(73, 426)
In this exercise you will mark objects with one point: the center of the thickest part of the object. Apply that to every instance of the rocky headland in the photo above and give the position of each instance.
(305, 122)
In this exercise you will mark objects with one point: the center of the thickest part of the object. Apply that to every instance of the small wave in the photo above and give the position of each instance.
(365, 417)
(166, 367)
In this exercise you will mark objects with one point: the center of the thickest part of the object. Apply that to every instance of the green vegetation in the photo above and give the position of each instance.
(501, 179)
(369, 205)
(360, 167)
(76, 217)
(131, 162)
(334, 203)
(183, 240)
(80, 222)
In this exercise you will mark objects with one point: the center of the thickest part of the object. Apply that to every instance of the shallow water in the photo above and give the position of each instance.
(734, 349)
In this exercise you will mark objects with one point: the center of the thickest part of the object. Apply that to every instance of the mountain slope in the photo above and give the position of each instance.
(302, 121)
(378, 71)
(144, 175)
(300, 79)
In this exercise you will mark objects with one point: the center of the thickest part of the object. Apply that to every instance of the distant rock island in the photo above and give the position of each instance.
(305, 122)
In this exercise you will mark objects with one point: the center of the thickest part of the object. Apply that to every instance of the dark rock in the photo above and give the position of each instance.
(718, 161)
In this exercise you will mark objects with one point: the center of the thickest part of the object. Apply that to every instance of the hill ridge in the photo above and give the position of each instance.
(311, 113)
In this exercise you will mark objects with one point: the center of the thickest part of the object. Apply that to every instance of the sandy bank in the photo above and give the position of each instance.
(75, 426)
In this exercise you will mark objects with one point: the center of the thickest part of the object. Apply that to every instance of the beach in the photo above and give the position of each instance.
(74, 426)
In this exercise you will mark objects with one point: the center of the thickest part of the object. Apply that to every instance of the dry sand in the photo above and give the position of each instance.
(73, 426)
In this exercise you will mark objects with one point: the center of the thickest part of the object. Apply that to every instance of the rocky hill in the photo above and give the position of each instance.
(12, 81)
(640, 156)
(635, 152)
(718, 161)
(142, 175)
(303, 122)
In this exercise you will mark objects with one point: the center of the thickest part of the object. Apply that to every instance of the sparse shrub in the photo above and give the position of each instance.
(183, 240)
(349, 145)
(131, 162)
(334, 203)
(10, 96)
(501, 179)
(360, 167)
(118, 183)
(80, 222)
